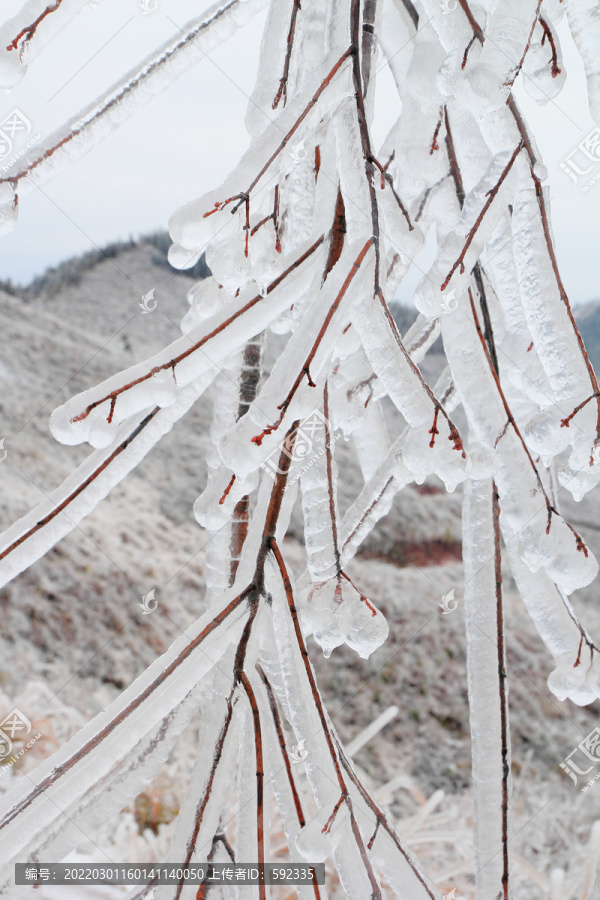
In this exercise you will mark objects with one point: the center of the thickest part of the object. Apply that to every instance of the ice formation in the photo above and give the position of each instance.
(307, 241)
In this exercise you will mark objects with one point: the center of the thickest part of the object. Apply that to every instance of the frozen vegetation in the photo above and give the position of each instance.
(292, 336)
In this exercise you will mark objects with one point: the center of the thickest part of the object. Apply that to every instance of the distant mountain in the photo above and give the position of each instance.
(71, 271)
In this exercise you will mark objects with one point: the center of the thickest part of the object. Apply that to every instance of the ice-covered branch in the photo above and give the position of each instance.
(105, 114)
(24, 35)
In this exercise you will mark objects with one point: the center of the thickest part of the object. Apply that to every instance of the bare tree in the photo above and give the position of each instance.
(310, 236)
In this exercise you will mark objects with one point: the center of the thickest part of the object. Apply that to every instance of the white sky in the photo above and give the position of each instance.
(188, 138)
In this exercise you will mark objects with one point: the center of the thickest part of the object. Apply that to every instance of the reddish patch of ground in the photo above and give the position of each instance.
(426, 553)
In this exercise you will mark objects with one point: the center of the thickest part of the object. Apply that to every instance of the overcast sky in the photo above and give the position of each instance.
(189, 137)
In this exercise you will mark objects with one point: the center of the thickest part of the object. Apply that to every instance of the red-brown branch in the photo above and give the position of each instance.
(375, 890)
(330, 485)
(491, 194)
(453, 160)
(365, 139)
(554, 69)
(511, 79)
(226, 491)
(368, 511)
(467, 49)
(282, 746)
(285, 140)
(282, 91)
(502, 688)
(260, 778)
(177, 359)
(551, 509)
(381, 819)
(305, 370)
(364, 599)
(327, 826)
(472, 21)
(84, 484)
(454, 435)
(274, 217)
(434, 141)
(29, 31)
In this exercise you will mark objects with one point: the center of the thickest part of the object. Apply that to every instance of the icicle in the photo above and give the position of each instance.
(488, 707)
(200, 814)
(577, 674)
(489, 79)
(582, 16)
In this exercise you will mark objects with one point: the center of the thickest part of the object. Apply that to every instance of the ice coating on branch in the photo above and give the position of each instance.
(36, 532)
(584, 24)
(25, 35)
(214, 507)
(488, 81)
(552, 334)
(543, 68)
(337, 613)
(319, 495)
(314, 841)
(270, 91)
(487, 691)
(558, 627)
(122, 784)
(109, 737)
(206, 298)
(136, 88)
(133, 389)
(308, 237)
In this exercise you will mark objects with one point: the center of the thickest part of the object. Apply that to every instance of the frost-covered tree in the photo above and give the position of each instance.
(309, 237)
